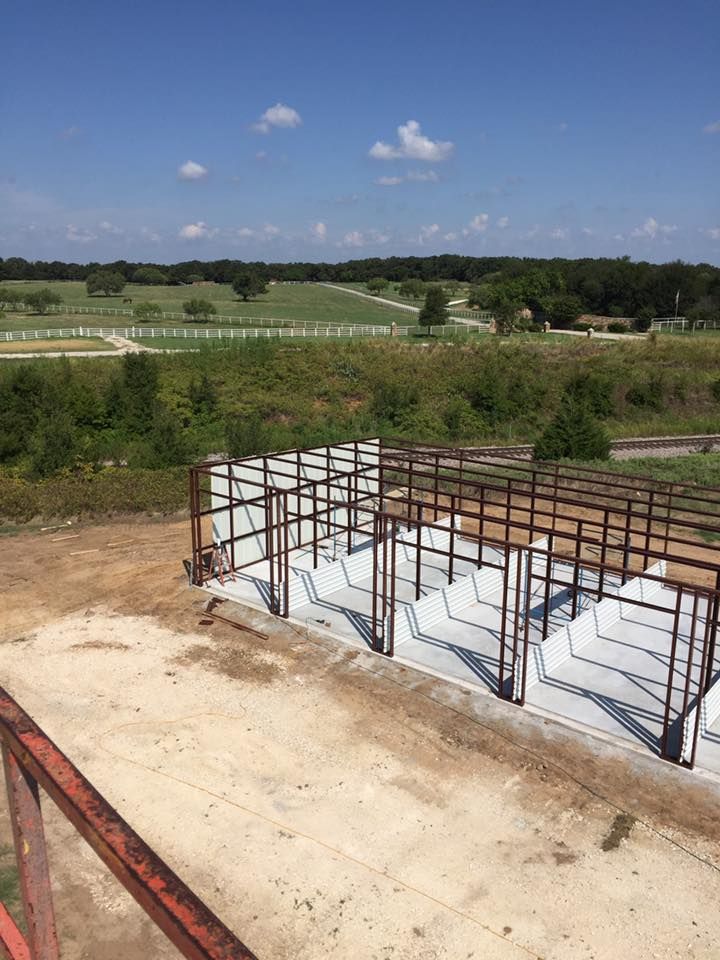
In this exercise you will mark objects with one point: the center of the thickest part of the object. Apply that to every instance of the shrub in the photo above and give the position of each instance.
(246, 436)
(199, 310)
(581, 325)
(147, 311)
(649, 394)
(573, 434)
(461, 421)
(110, 491)
(593, 390)
(615, 327)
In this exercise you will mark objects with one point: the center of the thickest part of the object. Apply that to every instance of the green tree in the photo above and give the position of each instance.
(147, 311)
(377, 284)
(53, 444)
(105, 281)
(246, 436)
(433, 313)
(412, 289)
(562, 309)
(150, 276)
(249, 285)
(168, 441)
(203, 397)
(41, 300)
(480, 296)
(573, 434)
(137, 393)
(199, 310)
(10, 298)
(506, 305)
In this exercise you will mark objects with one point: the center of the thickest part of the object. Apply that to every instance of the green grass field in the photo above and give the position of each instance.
(391, 293)
(308, 302)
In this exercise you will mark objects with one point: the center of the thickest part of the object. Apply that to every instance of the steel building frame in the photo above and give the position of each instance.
(613, 524)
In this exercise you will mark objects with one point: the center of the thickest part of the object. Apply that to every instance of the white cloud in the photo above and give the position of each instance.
(559, 233)
(112, 228)
(196, 231)
(652, 229)
(533, 231)
(319, 230)
(412, 145)
(79, 234)
(412, 176)
(278, 116)
(562, 127)
(270, 230)
(191, 171)
(147, 234)
(479, 223)
(261, 155)
(423, 176)
(69, 132)
(503, 222)
(353, 239)
(587, 232)
(245, 232)
(427, 232)
(450, 236)
(712, 127)
(619, 237)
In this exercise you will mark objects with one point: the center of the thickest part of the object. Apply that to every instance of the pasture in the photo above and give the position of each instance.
(306, 302)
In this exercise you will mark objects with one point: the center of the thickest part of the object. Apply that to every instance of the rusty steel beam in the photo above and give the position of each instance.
(191, 926)
(31, 858)
(13, 945)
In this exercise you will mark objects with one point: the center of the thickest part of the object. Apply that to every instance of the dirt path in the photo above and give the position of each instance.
(327, 802)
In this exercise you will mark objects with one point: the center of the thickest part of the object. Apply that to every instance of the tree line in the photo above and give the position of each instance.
(617, 287)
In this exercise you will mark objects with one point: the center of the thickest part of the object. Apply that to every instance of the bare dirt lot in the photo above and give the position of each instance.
(326, 802)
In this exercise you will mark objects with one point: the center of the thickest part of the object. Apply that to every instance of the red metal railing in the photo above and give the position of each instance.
(31, 760)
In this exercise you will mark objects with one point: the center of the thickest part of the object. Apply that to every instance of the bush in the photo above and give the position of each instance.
(649, 394)
(581, 325)
(461, 420)
(199, 311)
(615, 327)
(147, 311)
(113, 490)
(573, 434)
(247, 436)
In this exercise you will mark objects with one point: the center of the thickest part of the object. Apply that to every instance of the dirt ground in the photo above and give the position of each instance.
(54, 345)
(324, 801)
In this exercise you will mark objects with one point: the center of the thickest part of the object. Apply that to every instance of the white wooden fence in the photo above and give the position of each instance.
(220, 333)
(93, 311)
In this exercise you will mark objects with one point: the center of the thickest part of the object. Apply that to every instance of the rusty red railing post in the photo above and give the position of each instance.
(32, 760)
(13, 945)
(31, 857)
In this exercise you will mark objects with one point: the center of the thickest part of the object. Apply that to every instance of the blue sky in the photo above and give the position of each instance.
(324, 131)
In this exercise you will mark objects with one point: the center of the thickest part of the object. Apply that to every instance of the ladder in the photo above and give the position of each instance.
(220, 565)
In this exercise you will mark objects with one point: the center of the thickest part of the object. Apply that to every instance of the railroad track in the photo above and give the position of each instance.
(621, 449)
